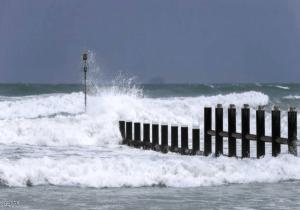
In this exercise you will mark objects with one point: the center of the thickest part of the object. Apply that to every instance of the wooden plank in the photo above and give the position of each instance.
(260, 132)
(207, 127)
(219, 129)
(231, 130)
(245, 131)
(275, 131)
(211, 133)
(292, 131)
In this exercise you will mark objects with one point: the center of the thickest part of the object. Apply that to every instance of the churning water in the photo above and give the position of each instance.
(49, 143)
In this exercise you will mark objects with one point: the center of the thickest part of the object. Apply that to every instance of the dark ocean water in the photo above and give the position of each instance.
(282, 94)
(55, 156)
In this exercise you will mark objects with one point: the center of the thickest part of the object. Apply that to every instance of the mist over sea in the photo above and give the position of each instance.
(52, 153)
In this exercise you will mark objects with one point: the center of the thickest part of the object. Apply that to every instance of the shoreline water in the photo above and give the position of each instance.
(47, 141)
(282, 195)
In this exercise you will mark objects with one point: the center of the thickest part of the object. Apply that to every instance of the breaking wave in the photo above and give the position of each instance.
(59, 120)
(146, 169)
(48, 139)
(292, 97)
(282, 87)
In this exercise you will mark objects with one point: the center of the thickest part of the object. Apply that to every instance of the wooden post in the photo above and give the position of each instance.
(275, 130)
(292, 131)
(231, 130)
(245, 131)
(122, 130)
(137, 134)
(155, 137)
(128, 133)
(164, 138)
(196, 141)
(207, 127)
(146, 136)
(260, 132)
(219, 128)
(184, 140)
(174, 138)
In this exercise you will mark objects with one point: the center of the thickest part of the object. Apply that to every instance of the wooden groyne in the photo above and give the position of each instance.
(131, 134)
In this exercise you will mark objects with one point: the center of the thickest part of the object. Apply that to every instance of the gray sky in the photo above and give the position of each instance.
(195, 41)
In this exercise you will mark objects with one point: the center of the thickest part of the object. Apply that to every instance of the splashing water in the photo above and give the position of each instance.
(48, 139)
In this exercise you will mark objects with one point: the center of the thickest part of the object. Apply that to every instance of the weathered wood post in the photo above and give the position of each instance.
(260, 132)
(275, 130)
(137, 134)
(219, 128)
(245, 131)
(155, 137)
(231, 130)
(184, 140)
(122, 130)
(128, 138)
(146, 136)
(207, 127)
(292, 131)
(164, 138)
(174, 138)
(196, 140)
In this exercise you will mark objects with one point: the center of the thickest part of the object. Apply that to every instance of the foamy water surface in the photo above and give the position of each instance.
(47, 139)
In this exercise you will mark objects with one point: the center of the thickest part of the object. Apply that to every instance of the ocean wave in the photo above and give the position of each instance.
(46, 105)
(72, 148)
(146, 169)
(26, 121)
(40, 105)
(282, 87)
(292, 97)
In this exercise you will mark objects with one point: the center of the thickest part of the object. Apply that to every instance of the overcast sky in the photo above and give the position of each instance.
(181, 41)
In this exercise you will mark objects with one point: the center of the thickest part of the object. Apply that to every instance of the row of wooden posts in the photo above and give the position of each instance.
(275, 139)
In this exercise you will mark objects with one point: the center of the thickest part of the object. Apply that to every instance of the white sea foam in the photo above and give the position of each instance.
(282, 87)
(58, 119)
(41, 105)
(292, 97)
(258, 84)
(140, 168)
(51, 122)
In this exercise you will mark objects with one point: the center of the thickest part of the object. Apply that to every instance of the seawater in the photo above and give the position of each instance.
(51, 150)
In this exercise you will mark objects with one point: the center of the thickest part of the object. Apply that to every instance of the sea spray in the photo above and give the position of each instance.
(47, 139)
(59, 120)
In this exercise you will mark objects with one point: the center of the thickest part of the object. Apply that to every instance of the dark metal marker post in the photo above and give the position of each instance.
(85, 69)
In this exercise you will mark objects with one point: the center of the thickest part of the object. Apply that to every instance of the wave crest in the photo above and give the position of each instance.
(59, 120)
(147, 170)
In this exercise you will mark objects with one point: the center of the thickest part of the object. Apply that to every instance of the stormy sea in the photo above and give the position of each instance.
(54, 155)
